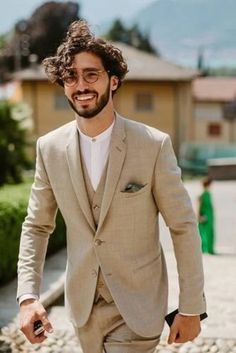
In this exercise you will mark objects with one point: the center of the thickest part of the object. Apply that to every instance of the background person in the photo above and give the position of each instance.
(207, 218)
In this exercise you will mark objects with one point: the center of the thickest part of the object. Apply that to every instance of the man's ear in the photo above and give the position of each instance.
(114, 82)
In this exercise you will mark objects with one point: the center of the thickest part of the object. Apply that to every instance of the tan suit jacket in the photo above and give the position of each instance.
(126, 242)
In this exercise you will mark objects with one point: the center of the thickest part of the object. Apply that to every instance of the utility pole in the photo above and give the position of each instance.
(21, 44)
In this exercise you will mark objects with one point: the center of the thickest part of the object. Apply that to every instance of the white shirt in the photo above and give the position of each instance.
(95, 151)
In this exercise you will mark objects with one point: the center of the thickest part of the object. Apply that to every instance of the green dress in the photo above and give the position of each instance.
(206, 222)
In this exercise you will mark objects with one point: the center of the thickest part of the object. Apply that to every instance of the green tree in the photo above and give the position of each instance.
(131, 36)
(201, 62)
(12, 143)
(2, 41)
(48, 26)
(118, 32)
(40, 34)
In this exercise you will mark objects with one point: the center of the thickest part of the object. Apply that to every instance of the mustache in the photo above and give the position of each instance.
(86, 91)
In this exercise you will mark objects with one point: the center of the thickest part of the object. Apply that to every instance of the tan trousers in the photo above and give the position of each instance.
(106, 332)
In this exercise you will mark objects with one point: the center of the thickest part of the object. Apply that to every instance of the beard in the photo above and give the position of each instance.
(92, 112)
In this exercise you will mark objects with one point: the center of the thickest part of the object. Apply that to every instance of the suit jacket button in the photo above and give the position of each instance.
(98, 242)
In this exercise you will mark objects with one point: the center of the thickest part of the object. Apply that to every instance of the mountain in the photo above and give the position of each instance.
(96, 12)
(180, 29)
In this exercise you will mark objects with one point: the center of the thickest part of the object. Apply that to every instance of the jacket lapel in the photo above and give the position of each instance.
(76, 174)
(116, 160)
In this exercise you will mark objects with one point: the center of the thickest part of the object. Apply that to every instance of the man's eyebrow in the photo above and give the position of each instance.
(89, 69)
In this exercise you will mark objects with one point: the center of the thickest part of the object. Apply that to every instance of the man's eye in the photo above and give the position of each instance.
(69, 78)
(91, 75)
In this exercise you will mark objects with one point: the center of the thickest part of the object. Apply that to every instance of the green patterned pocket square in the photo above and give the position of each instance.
(133, 187)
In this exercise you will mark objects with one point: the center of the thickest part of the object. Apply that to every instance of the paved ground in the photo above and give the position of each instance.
(51, 289)
(218, 331)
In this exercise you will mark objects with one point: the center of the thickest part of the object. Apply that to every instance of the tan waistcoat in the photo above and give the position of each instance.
(95, 200)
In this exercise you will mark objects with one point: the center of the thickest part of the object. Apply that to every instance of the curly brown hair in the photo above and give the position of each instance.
(79, 39)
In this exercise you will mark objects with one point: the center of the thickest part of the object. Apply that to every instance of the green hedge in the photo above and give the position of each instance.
(12, 214)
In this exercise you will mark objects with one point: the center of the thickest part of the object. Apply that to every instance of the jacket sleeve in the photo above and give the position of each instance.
(175, 206)
(38, 225)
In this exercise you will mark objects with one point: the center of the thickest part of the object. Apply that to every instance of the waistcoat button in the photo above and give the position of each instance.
(98, 242)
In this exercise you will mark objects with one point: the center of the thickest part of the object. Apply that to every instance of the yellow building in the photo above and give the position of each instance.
(155, 92)
(210, 95)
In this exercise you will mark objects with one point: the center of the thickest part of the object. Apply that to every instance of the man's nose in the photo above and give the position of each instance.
(81, 83)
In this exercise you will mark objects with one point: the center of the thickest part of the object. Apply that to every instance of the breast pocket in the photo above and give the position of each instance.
(135, 194)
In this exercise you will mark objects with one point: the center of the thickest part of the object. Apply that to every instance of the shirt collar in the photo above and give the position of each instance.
(99, 138)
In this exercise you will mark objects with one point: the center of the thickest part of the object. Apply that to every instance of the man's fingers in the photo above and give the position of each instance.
(32, 314)
(29, 333)
(172, 336)
(46, 323)
(37, 339)
(184, 329)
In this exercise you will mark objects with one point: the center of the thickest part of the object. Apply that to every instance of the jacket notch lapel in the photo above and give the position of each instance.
(77, 177)
(115, 164)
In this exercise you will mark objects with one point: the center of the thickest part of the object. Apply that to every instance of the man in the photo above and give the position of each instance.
(110, 177)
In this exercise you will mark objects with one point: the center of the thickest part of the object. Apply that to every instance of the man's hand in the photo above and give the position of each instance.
(184, 329)
(32, 310)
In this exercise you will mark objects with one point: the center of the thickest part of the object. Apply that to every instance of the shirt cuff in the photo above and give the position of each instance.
(27, 296)
(184, 314)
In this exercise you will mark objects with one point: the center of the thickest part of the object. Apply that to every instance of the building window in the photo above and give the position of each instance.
(60, 101)
(144, 102)
(214, 129)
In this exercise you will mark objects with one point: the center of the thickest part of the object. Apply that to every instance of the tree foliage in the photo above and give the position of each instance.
(12, 144)
(12, 215)
(131, 36)
(48, 26)
(40, 34)
(2, 41)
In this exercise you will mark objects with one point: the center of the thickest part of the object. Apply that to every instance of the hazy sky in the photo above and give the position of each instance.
(95, 11)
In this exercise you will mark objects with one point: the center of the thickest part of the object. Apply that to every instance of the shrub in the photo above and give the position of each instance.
(11, 217)
(13, 142)
(12, 214)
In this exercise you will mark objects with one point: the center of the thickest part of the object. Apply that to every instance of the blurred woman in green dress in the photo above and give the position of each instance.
(206, 218)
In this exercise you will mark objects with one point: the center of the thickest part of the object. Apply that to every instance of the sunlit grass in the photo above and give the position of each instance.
(16, 193)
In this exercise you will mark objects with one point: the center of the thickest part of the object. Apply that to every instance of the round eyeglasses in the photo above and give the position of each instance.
(89, 76)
